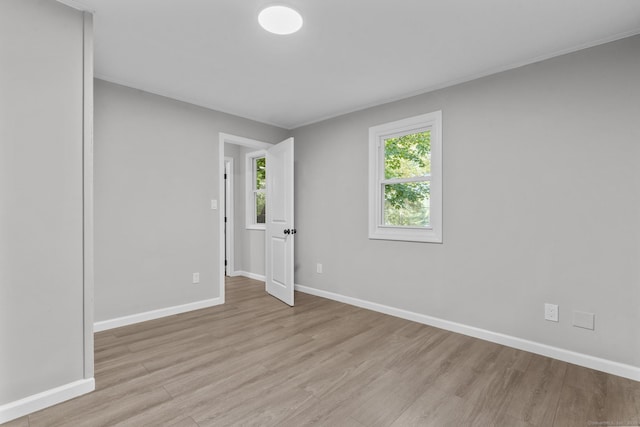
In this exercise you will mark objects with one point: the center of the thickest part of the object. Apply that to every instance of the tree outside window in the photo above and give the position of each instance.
(405, 179)
(407, 159)
(256, 189)
(260, 185)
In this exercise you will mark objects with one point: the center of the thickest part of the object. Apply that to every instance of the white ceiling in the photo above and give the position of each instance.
(350, 54)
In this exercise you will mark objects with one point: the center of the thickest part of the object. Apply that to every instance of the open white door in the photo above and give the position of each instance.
(280, 229)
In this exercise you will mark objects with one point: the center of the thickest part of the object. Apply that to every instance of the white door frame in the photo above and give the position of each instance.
(225, 138)
(228, 212)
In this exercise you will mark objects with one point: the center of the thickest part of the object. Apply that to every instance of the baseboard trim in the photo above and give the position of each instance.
(154, 314)
(599, 364)
(36, 402)
(253, 276)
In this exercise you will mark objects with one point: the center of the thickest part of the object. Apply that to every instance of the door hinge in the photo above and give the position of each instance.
(225, 219)
(225, 176)
(225, 262)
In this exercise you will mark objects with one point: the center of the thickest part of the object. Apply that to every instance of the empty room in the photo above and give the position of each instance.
(333, 213)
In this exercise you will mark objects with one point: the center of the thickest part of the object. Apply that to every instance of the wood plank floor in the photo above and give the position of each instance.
(255, 361)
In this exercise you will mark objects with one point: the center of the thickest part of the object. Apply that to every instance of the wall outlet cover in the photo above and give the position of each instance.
(551, 312)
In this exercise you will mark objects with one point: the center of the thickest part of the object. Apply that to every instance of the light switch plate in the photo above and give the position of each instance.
(214, 204)
(582, 319)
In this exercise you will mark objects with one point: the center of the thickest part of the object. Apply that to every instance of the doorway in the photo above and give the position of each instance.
(235, 235)
(257, 227)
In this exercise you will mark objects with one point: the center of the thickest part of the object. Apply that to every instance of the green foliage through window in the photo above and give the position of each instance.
(260, 202)
(405, 157)
(408, 156)
(261, 173)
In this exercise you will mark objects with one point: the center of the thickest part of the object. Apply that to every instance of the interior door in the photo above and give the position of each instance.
(280, 229)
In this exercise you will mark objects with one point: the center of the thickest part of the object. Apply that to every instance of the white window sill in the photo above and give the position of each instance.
(406, 235)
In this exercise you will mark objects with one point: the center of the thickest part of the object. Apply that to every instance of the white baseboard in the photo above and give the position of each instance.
(36, 402)
(154, 314)
(604, 365)
(253, 276)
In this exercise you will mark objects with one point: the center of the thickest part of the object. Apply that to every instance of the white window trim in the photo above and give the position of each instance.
(250, 218)
(377, 134)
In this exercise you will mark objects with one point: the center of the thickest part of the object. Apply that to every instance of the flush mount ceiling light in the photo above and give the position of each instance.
(280, 20)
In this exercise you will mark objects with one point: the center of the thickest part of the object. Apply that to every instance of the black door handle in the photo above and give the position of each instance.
(290, 231)
(287, 231)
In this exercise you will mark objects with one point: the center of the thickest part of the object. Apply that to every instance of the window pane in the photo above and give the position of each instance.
(408, 156)
(407, 204)
(260, 165)
(260, 207)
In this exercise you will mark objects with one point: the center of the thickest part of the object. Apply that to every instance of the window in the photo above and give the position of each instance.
(405, 179)
(256, 190)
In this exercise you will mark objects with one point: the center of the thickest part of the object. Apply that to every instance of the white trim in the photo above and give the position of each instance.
(488, 72)
(377, 135)
(425, 178)
(249, 192)
(76, 5)
(229, 213)
(464, 79)
(143, 86)
(592, 362)
(254, 276)
(155, 314)
(19, 408)
(87, 196)
(258, 227)
(245, 142)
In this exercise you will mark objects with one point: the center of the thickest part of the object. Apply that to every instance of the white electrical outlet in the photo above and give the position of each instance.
(214, 204)
(551, 312)
(319, 268)
(196, 277)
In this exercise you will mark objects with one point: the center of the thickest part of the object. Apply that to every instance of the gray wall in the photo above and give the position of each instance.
(233, 150)
(541, 204)
(249, 244)
(156, 170)
(41, 276)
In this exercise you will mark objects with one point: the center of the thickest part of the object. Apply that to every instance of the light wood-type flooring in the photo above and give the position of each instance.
(255, 361)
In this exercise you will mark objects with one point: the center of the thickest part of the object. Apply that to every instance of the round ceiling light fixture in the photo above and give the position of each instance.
(280, 20)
